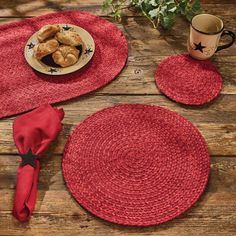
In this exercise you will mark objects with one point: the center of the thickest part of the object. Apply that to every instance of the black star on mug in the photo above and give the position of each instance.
(28, 158)
(199, 47)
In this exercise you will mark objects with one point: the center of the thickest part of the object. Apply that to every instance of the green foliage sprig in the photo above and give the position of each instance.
(159, 12)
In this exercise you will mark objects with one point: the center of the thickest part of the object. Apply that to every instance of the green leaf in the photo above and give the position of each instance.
(168, 2)
(153, 3)
(173, 9)
(116, 14)
(192, 9)
(106, 4)
(168, 20)
(161, 12)
(182, 6)
(196, 6)
(153, 13)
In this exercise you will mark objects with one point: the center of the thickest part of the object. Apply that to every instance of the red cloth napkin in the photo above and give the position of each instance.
(32, 132)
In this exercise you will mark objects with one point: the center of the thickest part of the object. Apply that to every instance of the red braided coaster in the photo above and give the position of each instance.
(136, 164)
(22, 88)
(187, 80)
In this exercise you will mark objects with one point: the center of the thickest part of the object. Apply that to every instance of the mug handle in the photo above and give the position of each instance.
(232, 35)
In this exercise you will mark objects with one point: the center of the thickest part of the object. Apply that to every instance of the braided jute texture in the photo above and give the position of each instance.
(22, 88)
(136, 164)
(188, 81)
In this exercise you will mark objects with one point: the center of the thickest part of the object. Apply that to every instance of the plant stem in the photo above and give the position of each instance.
(149, 18)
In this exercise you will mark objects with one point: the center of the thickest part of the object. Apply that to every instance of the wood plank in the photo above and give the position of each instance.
(223, 176)
(217, 204)
(224, 2)
(219, 137)
(202, 219)
(140, 27)
(217, 121)
(79, 224)
(35, 8)
(138, 75)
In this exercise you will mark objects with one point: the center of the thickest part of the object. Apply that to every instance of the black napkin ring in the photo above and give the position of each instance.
(28, 158)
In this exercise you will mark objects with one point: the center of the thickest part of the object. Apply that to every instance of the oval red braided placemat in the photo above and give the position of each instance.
(188, 81)
(136, 164)
(22, 88)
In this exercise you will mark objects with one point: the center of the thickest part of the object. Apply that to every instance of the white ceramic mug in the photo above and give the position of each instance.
(205, 33)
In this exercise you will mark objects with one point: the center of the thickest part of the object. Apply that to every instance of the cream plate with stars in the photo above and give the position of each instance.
(86, 54)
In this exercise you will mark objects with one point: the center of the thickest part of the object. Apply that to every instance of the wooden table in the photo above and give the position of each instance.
(56, 211)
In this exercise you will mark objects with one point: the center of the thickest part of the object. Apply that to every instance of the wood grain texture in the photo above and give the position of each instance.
(56, 211)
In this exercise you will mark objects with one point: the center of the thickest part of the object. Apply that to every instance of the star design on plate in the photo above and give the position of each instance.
(199, 47)
(52, 70)
(28, 158)
(66, 27)
(88, 51)
(30, 45)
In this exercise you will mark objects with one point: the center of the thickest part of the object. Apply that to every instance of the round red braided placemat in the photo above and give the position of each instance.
(136, 164)
(188, 81)
(23, 89)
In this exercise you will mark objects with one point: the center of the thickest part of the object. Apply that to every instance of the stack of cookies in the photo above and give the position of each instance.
(62, 45)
